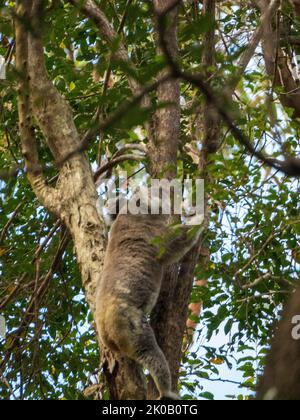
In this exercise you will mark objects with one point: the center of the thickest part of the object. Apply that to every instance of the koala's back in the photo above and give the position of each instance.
(132, 274)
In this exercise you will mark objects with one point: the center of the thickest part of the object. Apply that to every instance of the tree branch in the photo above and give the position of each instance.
(212, 122)
(114, 162)
(47, 195)
(10, 221)
(12, 172)
(165, 133)
(211, 119)
(53, 113)
(113, 119)
(296, 4)
(290, 166)
(256, 282)
(282, 371)
(266, 17)
(91, 10)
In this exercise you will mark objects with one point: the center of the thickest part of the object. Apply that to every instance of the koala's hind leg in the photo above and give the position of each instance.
(136, 339)
(148, 353)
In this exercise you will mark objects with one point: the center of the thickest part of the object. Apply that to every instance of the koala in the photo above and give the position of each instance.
(130, 284)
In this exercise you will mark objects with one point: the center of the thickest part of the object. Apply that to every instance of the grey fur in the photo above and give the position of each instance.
(129, 287)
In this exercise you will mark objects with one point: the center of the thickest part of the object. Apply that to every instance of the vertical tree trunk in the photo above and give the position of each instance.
(163, 151)
(281, 380)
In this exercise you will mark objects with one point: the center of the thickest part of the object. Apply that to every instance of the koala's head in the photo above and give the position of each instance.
(135, 205)
(150, 200)
(144, 201)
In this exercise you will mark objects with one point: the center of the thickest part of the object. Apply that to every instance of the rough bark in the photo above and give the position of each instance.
(49, 196)
(211, 120)
(208, 127)
(296, 4)
(281, 380)
(163, 149)
(77, 207)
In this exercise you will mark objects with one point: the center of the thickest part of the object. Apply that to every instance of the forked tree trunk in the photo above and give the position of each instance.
(74, 197)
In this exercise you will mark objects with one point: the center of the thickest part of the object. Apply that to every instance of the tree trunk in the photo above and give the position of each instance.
(163, 151)
(281, 380)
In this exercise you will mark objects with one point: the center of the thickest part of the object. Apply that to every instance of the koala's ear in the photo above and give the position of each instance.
(109, 219)
(112, 209)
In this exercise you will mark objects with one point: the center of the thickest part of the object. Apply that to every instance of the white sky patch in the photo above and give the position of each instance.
(139, 132)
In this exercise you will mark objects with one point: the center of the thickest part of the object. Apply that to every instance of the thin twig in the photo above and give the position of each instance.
(259, 280)
(109, 165)
(11, 220)
(117, 116)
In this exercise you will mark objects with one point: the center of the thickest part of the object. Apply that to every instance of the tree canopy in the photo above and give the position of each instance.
(250, 254)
